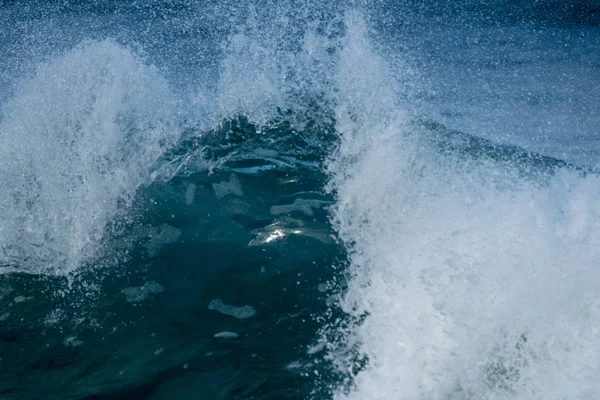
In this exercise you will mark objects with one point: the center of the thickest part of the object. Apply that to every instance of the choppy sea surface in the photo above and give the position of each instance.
(299, 199)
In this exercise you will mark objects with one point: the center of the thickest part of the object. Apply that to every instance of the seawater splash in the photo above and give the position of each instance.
(76, 142)
(468, 277)
(96, 123)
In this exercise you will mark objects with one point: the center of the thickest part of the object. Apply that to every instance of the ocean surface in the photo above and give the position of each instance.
(298, 199)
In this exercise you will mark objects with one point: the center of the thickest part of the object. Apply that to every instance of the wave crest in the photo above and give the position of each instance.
(77, 140)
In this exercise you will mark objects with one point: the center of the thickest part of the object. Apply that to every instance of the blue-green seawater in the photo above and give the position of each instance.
(88, 337)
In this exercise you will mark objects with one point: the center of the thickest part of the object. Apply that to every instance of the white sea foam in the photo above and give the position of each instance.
(160, 236)
(233, 186)
(303, 205)
(136, 294)
(77, 140)
(226, 335)
(21, 299)
(240, 312)
(72, 341)
(190, 194)
(472, 283)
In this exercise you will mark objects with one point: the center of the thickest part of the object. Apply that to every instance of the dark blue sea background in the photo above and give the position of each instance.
(299, 199)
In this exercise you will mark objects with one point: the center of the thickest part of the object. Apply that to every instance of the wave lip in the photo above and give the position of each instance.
(473, 268)
(77, 140)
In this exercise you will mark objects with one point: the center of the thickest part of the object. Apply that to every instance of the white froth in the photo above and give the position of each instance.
(474, 284)
(78, 139)
(240, 312)
(72, 341)
(233, 186)
(160, 236)
(190, 193)
(22, 299)
(226, 335)
(303, 205)
(136, 294)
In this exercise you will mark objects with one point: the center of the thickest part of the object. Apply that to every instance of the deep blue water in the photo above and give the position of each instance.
(293, 200)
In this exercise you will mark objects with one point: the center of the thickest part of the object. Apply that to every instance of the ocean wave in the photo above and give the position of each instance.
(293, 189)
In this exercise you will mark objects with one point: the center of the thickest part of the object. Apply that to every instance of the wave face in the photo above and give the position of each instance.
(279, 200)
